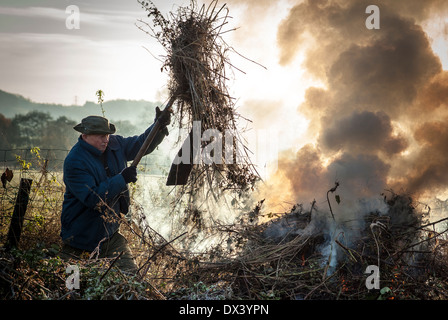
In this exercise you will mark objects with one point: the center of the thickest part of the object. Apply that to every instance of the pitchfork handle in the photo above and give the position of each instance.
(152, 134)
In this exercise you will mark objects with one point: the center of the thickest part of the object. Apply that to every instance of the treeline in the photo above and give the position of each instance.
(36, 129)
(40, 129)
(21, 133)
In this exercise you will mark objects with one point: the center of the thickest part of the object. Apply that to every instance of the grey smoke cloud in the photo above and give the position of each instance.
(383, 99)
(428, 170)
(363, 132)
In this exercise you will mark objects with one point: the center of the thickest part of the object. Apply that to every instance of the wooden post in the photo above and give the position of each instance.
(18, 215)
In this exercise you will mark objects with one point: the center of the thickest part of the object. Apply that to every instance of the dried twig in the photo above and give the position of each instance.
(111, 265)
(146, 264)
(336, 185)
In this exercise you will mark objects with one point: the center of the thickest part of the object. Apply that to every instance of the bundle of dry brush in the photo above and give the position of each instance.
(197, 62)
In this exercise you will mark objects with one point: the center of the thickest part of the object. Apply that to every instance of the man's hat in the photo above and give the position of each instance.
(95, 125)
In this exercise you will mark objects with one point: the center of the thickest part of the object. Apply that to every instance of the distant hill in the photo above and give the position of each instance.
(138, 112)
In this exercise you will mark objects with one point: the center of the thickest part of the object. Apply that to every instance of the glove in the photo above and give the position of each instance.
(164, 119)
(129, 174)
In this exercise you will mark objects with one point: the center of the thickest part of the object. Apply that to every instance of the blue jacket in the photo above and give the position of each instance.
(85, 220)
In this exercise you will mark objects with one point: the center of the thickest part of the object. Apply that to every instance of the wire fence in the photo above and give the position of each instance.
(44, 167)
(9, 158)
(53, 159)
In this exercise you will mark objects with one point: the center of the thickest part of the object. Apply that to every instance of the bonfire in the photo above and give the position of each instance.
(306, 254)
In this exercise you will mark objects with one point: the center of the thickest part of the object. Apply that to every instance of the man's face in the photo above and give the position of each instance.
(99, 141)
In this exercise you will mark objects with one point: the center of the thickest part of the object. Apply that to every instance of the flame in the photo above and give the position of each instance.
(344, 285)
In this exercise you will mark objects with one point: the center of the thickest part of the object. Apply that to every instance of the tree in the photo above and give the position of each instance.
(5, 129)
(59, 134)
(27, 129)
(38, 129)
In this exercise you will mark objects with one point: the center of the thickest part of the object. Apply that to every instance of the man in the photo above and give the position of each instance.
(96, 177)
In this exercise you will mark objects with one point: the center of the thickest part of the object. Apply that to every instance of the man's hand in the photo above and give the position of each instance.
(129, 174)
(163, 118)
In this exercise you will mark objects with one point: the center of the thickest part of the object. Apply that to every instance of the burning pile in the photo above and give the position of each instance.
(197, 61)
(309, 255)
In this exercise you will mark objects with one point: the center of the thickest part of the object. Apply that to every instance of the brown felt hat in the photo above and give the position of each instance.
(95, 125)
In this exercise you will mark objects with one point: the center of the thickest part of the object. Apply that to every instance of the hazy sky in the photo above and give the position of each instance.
(43, 60)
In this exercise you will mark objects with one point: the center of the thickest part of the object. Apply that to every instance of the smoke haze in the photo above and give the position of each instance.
(379, 120)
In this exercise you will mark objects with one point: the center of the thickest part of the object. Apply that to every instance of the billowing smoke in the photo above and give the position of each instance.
(363, 132)
(379, 120)
(429, 171)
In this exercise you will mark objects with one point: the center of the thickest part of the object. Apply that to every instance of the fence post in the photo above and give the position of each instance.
(18, 215)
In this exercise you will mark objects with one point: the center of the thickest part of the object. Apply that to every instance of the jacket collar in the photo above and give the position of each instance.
(113, 143)
(89, 147)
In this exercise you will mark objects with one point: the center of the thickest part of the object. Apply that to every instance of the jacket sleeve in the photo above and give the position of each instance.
(86, 189)
(132, 145)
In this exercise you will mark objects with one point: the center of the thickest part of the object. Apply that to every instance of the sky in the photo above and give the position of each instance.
(44, 60)
(47, 62)
(341, 101)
